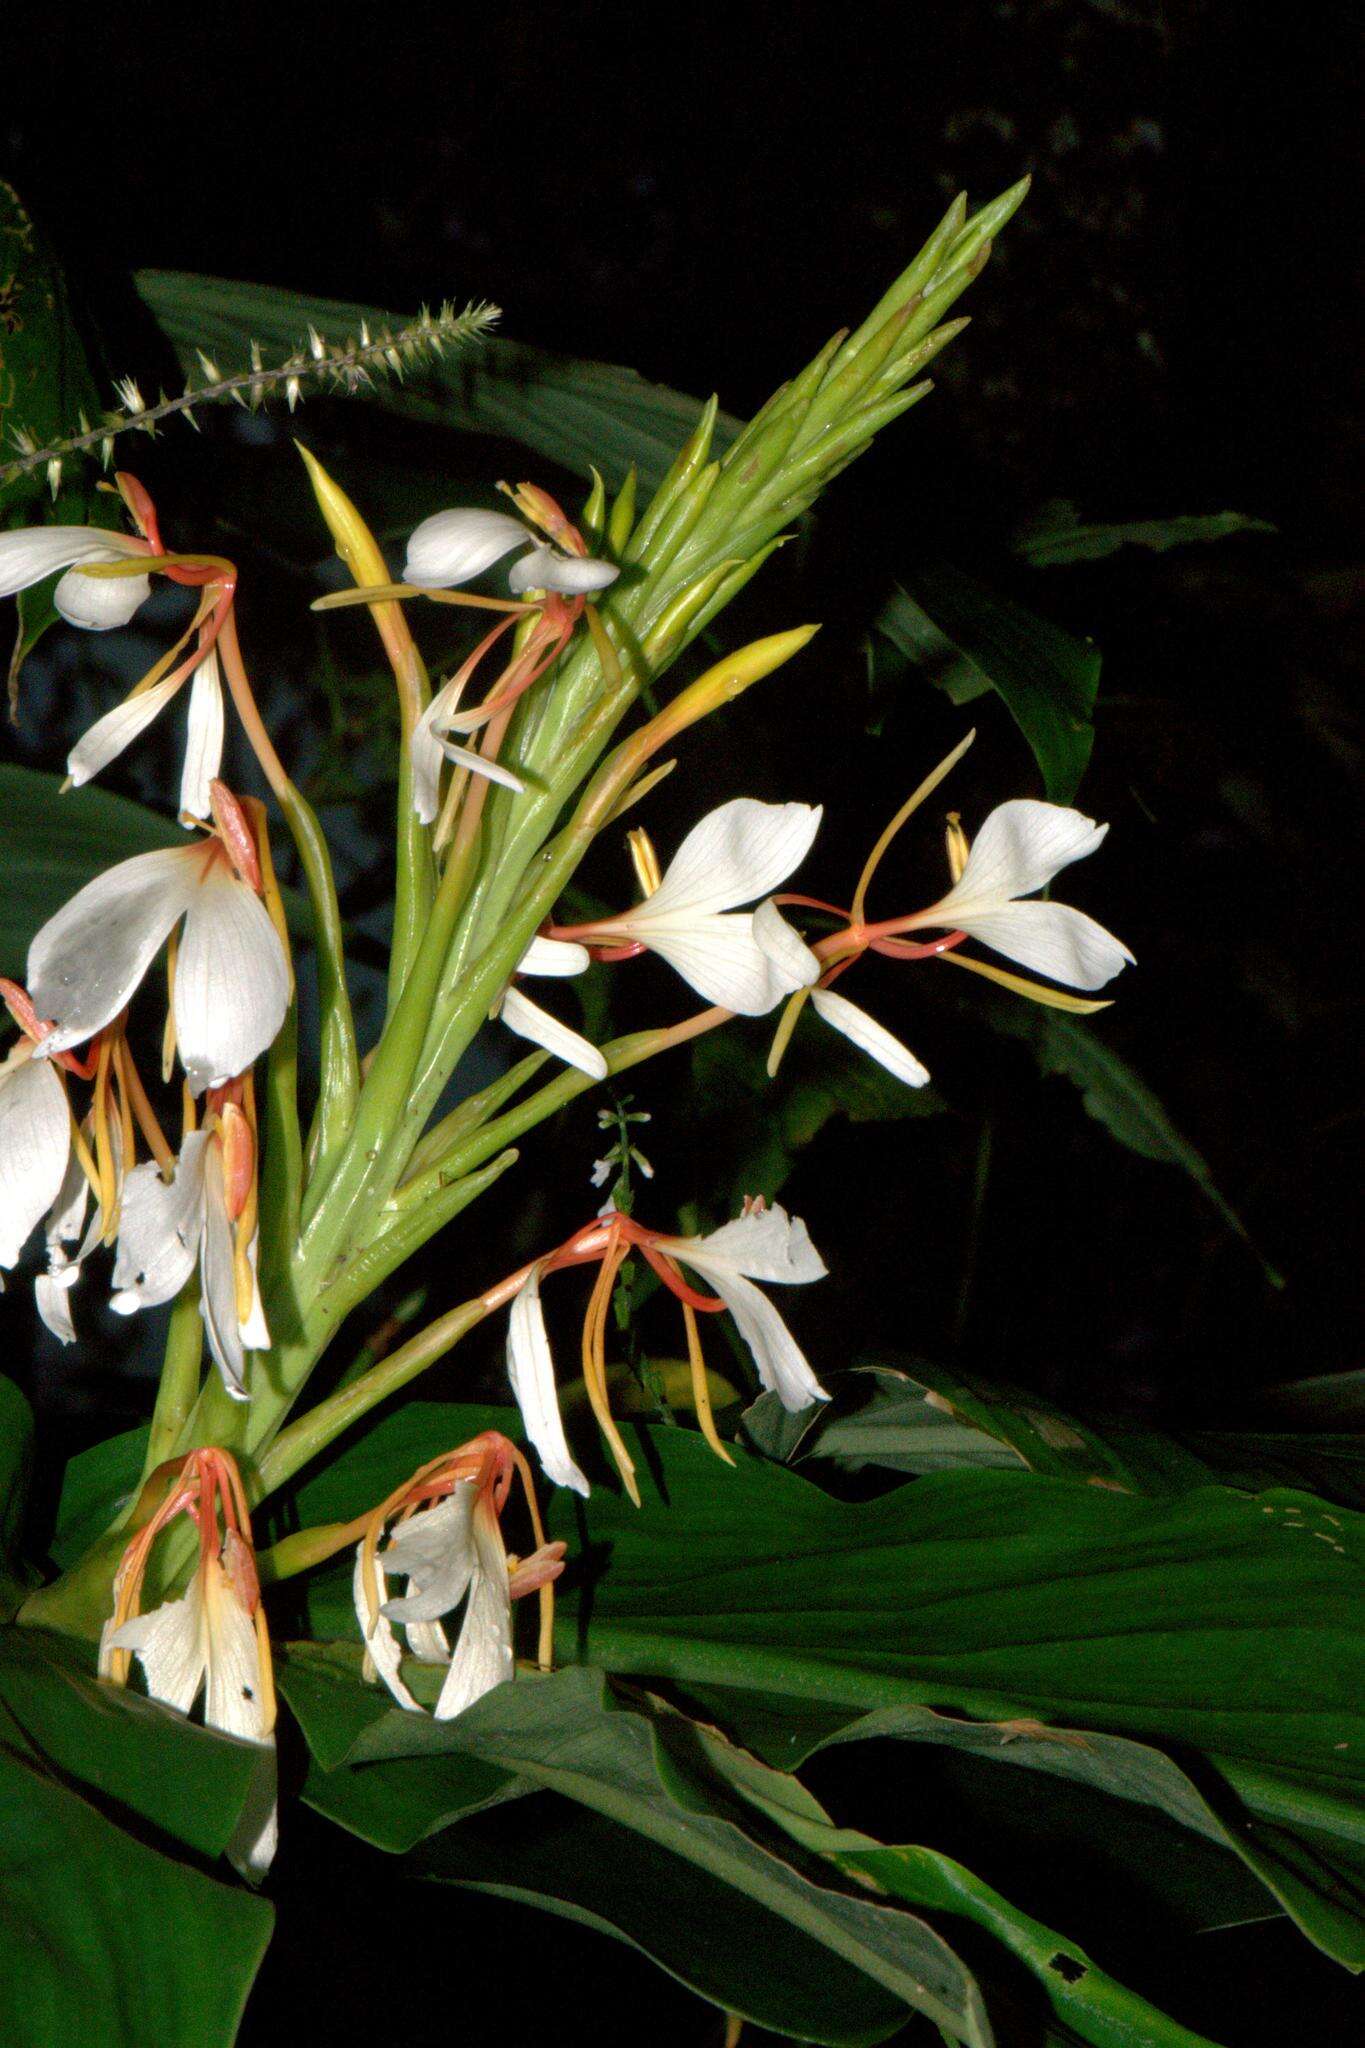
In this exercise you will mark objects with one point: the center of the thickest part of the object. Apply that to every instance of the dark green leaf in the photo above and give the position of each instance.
(16, 1452)
(96, 1485)
(103, 1939)
(58, 844)
(967, 639)
(574, 413)
(1056, 535)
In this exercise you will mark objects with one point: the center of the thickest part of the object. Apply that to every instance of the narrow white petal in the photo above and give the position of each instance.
(256, 1836)
(781, 1363)
(767, 1244)
(86, 962)
(480, 764)
(427, 1642)
(482, 1657)
(869, 1036)
(203, 738)
(218, 1282)
(255, 1330)
(35, 1145)
(528, 1020)
(99, 604)
(790, 955)
(531, 1369)
(718, 955)
(106, 739)
(231, 981)
(170, 1644)
(52, 1299)
(234, 1699)
(159, 1230)
(545, 568)
(451, 547)
(554, 956)
(1051, 939)
(1021, 846)
(378, 1636)
(425, 752)
(32, 553)
(731, 856)
(434, 1551)
(67, 1217)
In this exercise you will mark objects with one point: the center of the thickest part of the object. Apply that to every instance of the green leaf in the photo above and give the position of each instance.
(58, 844)
(1116, 1097)
(16, 1456)
(571, 412)
(782, 1948)
(188, 1781)
(97, 1485)
(1056, 534)
(967, 639)
(105, 1940)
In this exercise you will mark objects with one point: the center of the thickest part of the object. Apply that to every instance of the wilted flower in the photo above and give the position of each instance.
(212, 1639)
(448, 1544)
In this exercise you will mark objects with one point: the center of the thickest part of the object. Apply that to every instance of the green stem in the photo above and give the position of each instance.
(179, 1389)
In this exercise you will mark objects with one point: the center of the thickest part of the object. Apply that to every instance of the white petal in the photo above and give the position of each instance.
(218, 1281)
(67, 1217)
(106, 739)
(427, 1642)
(35, 1144)
(480, 764)
(530, 1367)
(767, 1244)
(425, 751)
(255, 1330)
(231, 981)
(171, 1643)
(528, 1020)
(785, 947)
(159, 1230)
(32, 553)
(451, 547)
(869, 1036)
(1021, 846)
(86, 961)
(378, 1636)
(731, 856)
(434, 1551)
(554, 956)
(781, 1363)
(1052, 939)
(545, 568)
(255, 1838)
(482, 1657)
(99, 604)
(235, 1696)
(52, 1298)
(718, 955)
(203, 738)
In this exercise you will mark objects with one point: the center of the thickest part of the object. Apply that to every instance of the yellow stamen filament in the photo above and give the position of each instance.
(168, 1036)
(701, 1393)
(782, 1036)
(104, 1149)
(959, 846)
(83, 1156)
(152, 1134)
(1050, 998)
(907, 810)
(595, 1369)
(645, 860)
(545, 1645)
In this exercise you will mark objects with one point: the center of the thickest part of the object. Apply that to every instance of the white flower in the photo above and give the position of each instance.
(32, 553)
(165, 1229)
(208, 1640)
(1021, 846)
(231, 979)
(528, 1020)
(35, 1146)
(453, 547)
(869, 1036)
(531, 1369)
(106, 739)
(746, 962)
(764, 1244)
(66, 1220)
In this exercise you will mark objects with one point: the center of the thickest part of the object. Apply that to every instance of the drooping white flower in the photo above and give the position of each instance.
(166, 1228)
(450, 1550)
(35, 1146)
(231, 980)
(30, 554)
(763, 1244)
(746, 961)
(212, 1639)
(1019, 849)
(106, 739)
(453, 547)
(531, 1370)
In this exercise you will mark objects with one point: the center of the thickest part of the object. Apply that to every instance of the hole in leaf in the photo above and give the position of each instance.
(1066, 1966)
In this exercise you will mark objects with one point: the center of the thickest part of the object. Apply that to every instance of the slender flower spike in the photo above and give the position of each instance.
(205, 1216)
(212, 1639)
(231, 978)
(761, 1244)
(448, 1545)
(746, 961)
